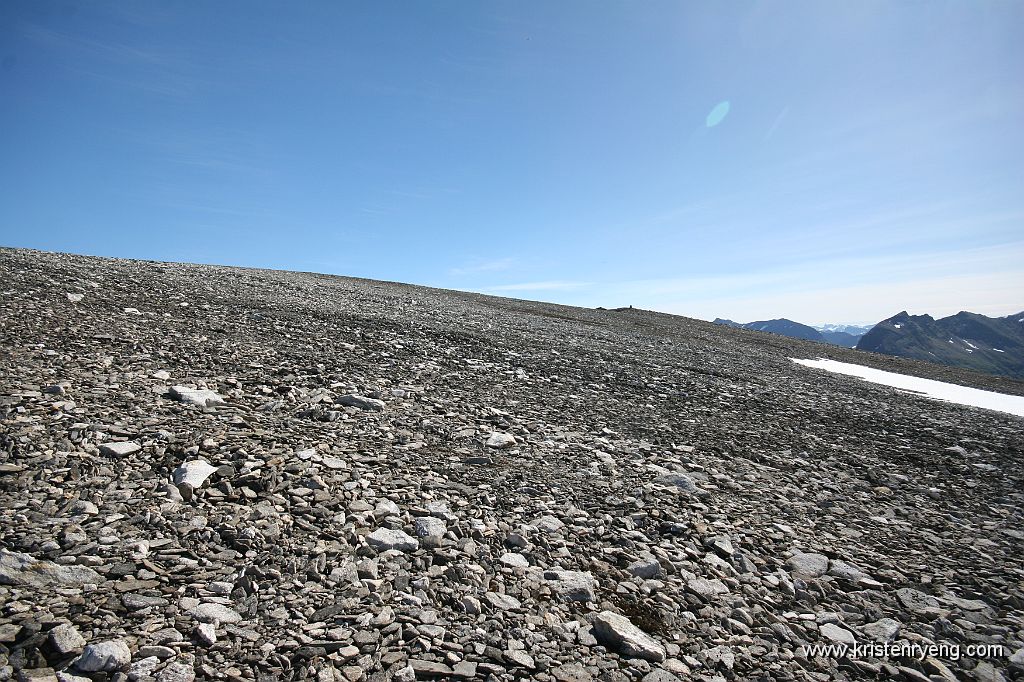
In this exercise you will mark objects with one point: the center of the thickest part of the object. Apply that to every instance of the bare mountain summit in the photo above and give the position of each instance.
(235, 474)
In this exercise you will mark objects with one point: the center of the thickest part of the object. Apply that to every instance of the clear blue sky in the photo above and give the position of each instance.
(825, 161)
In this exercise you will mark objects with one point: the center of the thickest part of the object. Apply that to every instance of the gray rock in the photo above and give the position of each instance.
(707, 588)
(24, 570)
(720, 655)
(549, 524)
(361, 402)
(571, 672)
(659, 675)
(177, 672)
(520, 659)
(807, 565)
(120, 448)
(65, 639)
(847, 571)
(502, 602)
(142, 668)
(384, 539)
(837, 634)
(514, 560)
(193, 473)
(195, 396)
(206, 633)
(678, 480)
(617, 633)
(720, 545)
(215, 614)
(572, 585)
(464, 669)
(499, 440)
(645, 569)
(884, 630)
(109, 656)
(430, 668)
(915, 600)
(430, 530)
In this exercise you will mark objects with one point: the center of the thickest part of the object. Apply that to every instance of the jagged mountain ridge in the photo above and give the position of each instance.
(795, 330)
(988, 344)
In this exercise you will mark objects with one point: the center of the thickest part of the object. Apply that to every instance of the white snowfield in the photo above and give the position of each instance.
(939, 390)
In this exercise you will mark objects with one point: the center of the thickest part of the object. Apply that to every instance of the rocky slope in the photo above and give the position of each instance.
(986, 344)
(215, 473)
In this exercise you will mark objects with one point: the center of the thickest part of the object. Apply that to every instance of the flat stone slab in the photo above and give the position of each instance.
(195, 396)
(24, 570)
(616, 632)
(384, 539)
(194, 473)
(120, 449)
(216, 614)
(807, 565)
(361, 402)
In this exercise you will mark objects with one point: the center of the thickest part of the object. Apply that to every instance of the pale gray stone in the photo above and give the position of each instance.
(807, 565)
(215, 614)
(109, 656)
(120, 448)
(195, 396)
(65, 639)
(499, 440)
(24, 570)
(384, 539)
(616, 632)
(361, 402)
(193, 473)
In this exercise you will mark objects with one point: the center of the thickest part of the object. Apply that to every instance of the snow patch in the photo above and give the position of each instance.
(970, 344)
(999, 350)
(929, 388)
(898, 326)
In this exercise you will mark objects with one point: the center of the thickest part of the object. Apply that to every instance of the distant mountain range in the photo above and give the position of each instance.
(836, 334)
(988, 344)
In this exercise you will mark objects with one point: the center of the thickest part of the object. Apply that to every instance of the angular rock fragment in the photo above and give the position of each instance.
(361, 402)
(502, 602)
(23, 570)
(617, 633)
(109, 656)
(384, 539)
(65, 639)
(883, 630)
(680, 481)
(193, 473)
(215, 614)
(119, 449)
(499, 440)
(430, 530)
(572, 585)
(195, 396)
(807, 565)
(837, 634)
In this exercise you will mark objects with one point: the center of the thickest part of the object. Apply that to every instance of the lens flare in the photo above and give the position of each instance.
(718, 114)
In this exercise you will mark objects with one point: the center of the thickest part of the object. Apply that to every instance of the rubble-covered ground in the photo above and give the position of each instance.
(220, 473)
